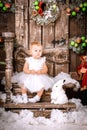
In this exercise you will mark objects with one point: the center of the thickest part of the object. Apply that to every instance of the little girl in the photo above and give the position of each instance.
(34, 77)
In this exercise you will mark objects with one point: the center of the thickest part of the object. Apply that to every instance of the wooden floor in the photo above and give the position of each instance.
(44, 105)
(40, 108)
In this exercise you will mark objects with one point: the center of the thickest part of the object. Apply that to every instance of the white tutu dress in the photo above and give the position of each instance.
(34, 82)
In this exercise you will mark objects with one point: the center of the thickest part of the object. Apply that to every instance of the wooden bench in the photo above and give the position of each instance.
(44, 107)
(40, 108)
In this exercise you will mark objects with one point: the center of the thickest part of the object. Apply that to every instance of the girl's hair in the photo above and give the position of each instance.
(35, 43)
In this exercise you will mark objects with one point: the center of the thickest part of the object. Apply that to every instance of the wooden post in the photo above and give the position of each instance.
(8, 41)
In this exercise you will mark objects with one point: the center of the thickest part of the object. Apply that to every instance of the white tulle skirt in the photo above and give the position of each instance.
(33, 83)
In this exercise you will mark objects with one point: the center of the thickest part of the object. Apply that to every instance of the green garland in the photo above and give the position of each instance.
(6, 5)
(77, 10)
(78, 44)
(44, 11)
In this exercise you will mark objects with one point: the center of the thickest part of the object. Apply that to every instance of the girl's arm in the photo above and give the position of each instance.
(44, 70)
(26, 69)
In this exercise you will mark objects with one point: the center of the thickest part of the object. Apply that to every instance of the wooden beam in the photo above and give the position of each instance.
(39, 105)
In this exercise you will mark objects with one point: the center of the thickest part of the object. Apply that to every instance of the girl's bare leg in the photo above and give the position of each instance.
(40, 93)
(24, 94)
(23, 90)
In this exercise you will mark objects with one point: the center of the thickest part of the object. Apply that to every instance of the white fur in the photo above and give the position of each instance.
(58, 95)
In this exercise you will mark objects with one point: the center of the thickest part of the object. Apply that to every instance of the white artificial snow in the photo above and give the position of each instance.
(75, 119)
(58, 120)
(3, 96)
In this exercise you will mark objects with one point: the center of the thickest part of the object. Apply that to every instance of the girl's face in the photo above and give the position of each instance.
(36, 51)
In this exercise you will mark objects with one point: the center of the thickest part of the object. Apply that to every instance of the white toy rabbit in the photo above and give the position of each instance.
(58, 95)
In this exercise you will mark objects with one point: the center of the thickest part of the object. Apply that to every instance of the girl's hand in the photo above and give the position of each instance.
(32, 72)
(39, 72)
(44, 70)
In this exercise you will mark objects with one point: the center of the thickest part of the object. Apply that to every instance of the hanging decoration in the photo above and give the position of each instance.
(6, 5)
(78, 44)
(44, 11)
(77, 9)
(59, 42)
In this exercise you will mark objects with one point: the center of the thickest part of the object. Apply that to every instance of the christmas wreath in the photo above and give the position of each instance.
(44, 11)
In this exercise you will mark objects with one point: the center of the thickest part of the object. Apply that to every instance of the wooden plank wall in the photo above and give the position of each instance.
(44, 34)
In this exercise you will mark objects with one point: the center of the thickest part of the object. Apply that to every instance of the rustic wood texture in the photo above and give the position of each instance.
(40, 109)
(28, 31)
(35, 32)
(61, 26)
(75, 28)
(61, 68)
(46, 97)
(57, 57)
(43, 34)
(44, 107)
(9, 37)
(48, 35)
(21, 23)
(39, 105)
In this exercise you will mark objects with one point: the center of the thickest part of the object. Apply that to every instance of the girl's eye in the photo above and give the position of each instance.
(35, 50)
